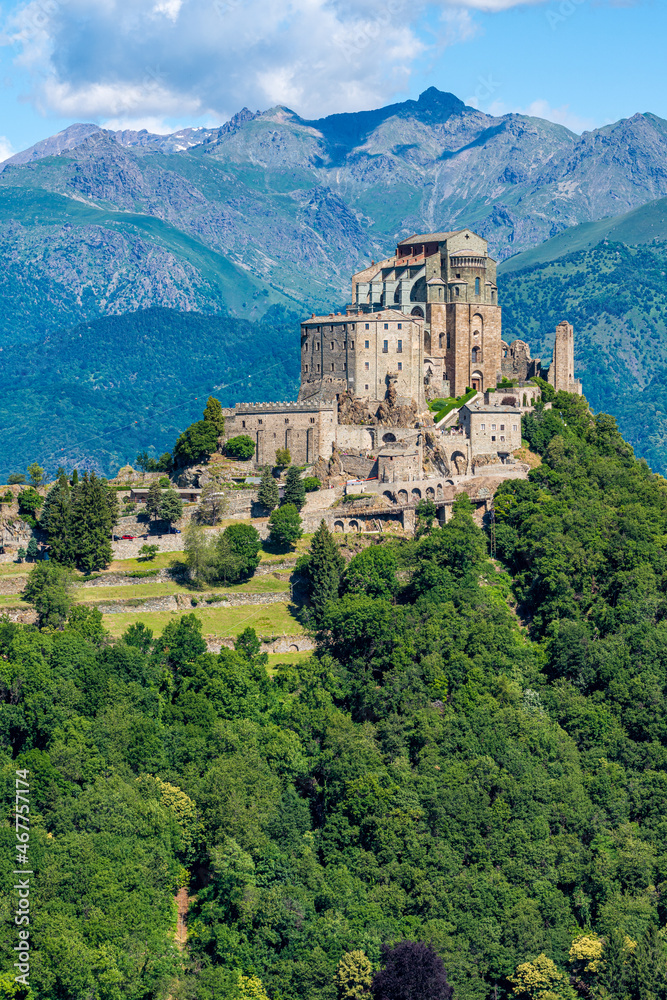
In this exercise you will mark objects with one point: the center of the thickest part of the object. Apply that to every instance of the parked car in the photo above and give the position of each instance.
(175, 531)
(127, 538)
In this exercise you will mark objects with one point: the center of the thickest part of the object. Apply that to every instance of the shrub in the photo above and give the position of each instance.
(285, 526)
(312, 483)
(242, 447)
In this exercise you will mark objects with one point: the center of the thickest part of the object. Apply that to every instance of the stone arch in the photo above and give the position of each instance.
(477, 381)
(417, 311)
(388, 437)
(439, 491)
(478, 324)
(402, 496)
(460, 463)
(354, 526)
(430, 493)
(416, 494)
(293, 648)
(441, 340)
(449, 482)
(389, 496)
(418, 291)
(339, 526)
(476, 355)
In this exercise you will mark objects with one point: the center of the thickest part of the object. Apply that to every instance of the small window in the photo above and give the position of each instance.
(286, 420)
(399, 348)
(483, 427)
(366, 367)
(312, 420)
(493, 437)
(385, 346)
(457, 290)
(400, 366)
(366, 388)
(502, 437)
(318, 368)
(515, 427)
(333, 367)
(458, 275)
(386, 326)
(305, 368)
(351, 345)
(368, 326)
(502, 427)
(400, 326)
(332, 345)
(351, 326)
(367, 344)
(260, 421)
(317, 345)
(493, 427)
(243, 423)
(344, 366)
(478, 286)
(345, 345)
(318, 330)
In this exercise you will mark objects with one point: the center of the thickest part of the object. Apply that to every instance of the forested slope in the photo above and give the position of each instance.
(476, 757)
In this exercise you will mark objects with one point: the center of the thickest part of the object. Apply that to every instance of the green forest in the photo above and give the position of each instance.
(474, 760)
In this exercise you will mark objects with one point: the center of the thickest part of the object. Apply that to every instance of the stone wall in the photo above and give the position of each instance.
(284, 644)
(306, 429)
(184, 602)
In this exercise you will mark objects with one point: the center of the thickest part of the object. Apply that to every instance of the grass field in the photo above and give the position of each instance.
(276, 658)
(272, 619)
(12, 601)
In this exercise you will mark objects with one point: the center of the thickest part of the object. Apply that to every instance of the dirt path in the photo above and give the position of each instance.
(183, 903)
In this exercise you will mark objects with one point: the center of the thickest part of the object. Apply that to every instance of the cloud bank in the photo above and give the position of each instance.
(137, 61)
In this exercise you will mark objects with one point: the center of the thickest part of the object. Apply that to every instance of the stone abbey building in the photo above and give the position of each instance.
(424, 324)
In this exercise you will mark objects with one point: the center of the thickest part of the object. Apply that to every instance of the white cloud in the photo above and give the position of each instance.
(542, 109)
(6, 149)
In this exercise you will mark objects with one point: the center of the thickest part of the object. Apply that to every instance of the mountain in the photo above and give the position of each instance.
(609, 280)
(96, 395)
(299, 204)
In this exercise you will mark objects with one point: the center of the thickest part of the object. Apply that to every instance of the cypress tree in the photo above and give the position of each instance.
(213, 414)
(91, 524)
(154, 499)
(295, 488)
(57, 519)
(268, 494)
(325, 567)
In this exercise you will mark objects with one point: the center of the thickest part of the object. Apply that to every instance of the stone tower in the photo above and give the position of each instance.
(448, 280)
(561, 370)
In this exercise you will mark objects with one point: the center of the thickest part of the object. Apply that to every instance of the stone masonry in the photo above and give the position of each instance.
(561, 370)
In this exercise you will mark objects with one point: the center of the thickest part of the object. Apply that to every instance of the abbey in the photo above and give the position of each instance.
(424, 324)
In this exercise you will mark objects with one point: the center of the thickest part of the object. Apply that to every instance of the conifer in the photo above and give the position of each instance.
(154, 499)
(325, 567)
(57, 519)
(91, 524)
(213, 414)
(295, 488)
(268, 494)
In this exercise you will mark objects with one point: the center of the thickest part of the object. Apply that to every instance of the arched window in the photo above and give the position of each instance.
(478, 286)
(449, 344)
(476, 355)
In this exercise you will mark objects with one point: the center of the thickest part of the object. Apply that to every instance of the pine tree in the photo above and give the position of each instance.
(171, 506)
(268, 494)
(154, 499)
(649, 967)
(57, 519)
(213, 414)
(325, 567)
(91, 524)
(295, 488)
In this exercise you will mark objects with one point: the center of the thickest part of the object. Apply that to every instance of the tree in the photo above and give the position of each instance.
(372, 572)
(312, 483)
(283, 457)
(48, 589)
(541, 980)
(30, 501)
(425, 511)
(649, 966)
(285, 526)
(268, 493)
(412, 971)
(199, 553)
(237, 552)
(242, 447)
(213, 414)
(87, 622)
(247, 643)
(75, 478)
(171, 506)
(148, 552)
(32, 550)
(57, 520)
(324, 568)
(16, 479)
(353, 976)
(21, 554)
(196, 443)
(153, 499)
(295, 490)
(36, 473)
(213, 503)
(92, 524)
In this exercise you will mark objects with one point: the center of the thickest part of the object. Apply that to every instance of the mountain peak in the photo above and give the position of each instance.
(440, 100)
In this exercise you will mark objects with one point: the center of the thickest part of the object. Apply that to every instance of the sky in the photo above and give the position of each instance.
(168, 64)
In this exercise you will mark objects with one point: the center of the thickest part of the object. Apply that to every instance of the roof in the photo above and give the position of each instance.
(435, 281)
(492, 409)
(429, 237)
(382, 314)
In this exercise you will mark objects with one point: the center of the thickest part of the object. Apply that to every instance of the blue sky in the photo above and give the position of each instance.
(164, 64)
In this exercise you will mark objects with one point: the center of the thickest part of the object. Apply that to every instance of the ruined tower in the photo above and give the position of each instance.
(561, 370)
